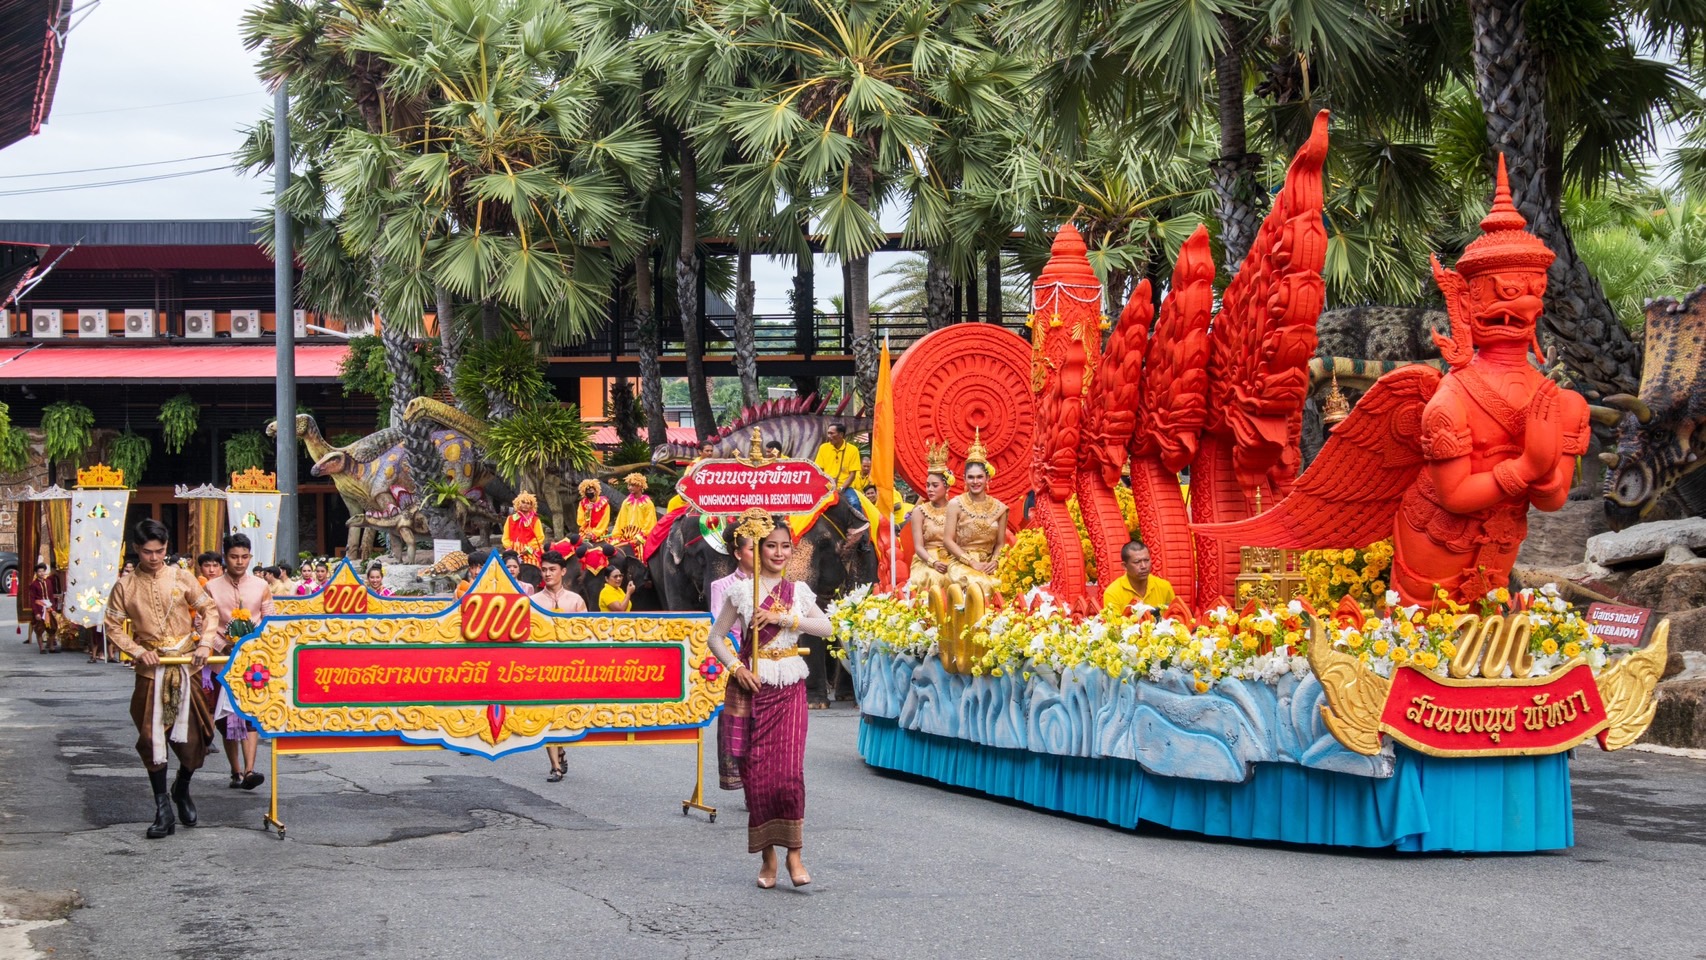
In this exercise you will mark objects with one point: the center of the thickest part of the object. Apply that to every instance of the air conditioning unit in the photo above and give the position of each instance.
(91, 324)
(47, 324)
(246, 324)
(198, 324)
(301, 324)
(139, 323)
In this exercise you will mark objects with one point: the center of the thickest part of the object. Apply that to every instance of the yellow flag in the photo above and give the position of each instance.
(882, 438)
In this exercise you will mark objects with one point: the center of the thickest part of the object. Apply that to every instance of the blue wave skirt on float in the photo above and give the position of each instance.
(1248, 761)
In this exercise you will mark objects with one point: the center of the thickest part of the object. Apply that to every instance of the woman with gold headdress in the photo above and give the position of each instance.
(638, 514)
(592, 517)
(976, 525)
(930, 557)
(524, 532)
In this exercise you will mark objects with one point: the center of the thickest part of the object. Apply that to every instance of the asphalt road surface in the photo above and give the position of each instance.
(428, 854)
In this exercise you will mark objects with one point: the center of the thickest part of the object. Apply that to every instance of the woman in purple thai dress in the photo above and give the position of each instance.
(768, 679)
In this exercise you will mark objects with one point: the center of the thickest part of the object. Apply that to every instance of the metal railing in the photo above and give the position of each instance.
(775, 333)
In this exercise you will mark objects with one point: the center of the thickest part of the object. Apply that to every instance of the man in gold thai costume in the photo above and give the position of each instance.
(638, 514)
(152, 613)
(930, 557)
(592, 517)
(976, 525)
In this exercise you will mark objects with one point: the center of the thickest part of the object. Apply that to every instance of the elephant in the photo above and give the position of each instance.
(832, 557)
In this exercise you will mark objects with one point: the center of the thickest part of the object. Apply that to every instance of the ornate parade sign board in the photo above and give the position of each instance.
(1465, 715)
(779, 486)
(490, 674)
(346, 592)
(97, 543)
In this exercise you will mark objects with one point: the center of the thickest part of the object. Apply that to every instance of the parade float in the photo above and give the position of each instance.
(1431, 708)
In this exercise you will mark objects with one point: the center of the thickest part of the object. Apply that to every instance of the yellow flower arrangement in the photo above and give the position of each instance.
(1426, 640)
(896, 623)
(1025, 564)
(1331, 575)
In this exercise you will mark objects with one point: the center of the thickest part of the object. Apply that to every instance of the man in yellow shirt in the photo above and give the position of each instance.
(1136, 583)
(838, 458)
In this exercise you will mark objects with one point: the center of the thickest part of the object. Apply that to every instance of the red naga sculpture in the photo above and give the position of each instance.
(1225, 398)
(1448, 465)
(1066, 338)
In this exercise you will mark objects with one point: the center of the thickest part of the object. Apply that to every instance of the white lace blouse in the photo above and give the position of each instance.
(737, 604)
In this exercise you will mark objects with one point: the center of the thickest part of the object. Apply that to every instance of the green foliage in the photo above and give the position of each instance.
(1639, 247)
(129, 452)
(506, 367)
(68, 430)
(14, 443)
(245, 450)
(14, 450)
(630, 451)
(178, 418)
(538, 439)
(445, 492)
(626, 414)
(364, 371)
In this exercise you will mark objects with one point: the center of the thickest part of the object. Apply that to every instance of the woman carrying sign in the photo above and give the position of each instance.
(770, 676)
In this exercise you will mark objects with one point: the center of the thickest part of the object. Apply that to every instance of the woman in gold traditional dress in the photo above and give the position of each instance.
(930, 555)
(976, 526)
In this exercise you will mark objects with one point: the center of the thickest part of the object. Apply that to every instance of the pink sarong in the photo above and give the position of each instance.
(761, 746)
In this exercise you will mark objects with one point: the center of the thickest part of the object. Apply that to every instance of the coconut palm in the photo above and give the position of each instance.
(1144, 69)
(845, 99)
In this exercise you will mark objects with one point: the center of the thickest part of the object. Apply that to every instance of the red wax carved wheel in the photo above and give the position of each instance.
(960, 380)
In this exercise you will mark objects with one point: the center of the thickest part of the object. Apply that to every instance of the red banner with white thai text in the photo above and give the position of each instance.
(1460, 718)
(369, 675)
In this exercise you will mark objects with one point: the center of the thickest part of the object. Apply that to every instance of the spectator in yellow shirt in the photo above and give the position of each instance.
(1136, 583)
(838, 458)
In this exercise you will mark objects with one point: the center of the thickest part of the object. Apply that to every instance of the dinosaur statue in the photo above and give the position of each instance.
(354, 493)
(1656, 446)
(559, 494)
(797, 423)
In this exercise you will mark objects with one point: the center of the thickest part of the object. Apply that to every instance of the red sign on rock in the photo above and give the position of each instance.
(730, 486)
(1614, 623)
(1465, 718)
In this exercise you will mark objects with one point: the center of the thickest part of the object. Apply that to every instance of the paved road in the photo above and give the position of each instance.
(405, 855)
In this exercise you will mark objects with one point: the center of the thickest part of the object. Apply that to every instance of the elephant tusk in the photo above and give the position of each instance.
(1604, 416)
(1608, 458)
(1634, 405)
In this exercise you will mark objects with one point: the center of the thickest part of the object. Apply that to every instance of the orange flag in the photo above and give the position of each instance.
(882, 455)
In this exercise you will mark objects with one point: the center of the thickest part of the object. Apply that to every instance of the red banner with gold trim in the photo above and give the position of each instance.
(1454, 718)
(358, 675)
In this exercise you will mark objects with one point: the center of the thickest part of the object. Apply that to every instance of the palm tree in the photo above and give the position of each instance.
(1143, 70)
(845, 98)
(1569, 94)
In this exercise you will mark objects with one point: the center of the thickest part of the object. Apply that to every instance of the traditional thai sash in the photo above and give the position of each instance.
(170, 716)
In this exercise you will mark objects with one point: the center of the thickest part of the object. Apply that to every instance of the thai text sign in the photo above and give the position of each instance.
(491, 673)
(441, 675)
(731, 486)
(1615, 623)
(1457, 718)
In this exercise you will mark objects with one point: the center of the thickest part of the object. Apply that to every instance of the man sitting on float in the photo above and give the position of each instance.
(1136, 584)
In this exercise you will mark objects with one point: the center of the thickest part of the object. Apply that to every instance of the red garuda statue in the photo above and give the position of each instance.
(1447, 465)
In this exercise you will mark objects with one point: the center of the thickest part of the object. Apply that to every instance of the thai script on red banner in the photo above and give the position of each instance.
(1615, 623)
(729, 486)
(345, 675)
(1469, 718)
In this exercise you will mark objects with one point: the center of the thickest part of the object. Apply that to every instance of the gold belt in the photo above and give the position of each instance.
(781, 653)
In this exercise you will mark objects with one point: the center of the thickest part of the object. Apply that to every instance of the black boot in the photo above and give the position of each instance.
(181, 796)
(164, 825)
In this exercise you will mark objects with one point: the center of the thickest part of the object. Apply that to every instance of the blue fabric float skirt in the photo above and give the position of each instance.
(1483, 805)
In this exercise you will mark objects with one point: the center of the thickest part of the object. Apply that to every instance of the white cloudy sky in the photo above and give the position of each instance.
(146, 81)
